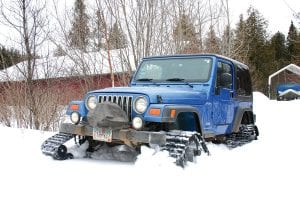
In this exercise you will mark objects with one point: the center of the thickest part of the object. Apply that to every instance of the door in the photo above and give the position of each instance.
(223, 100)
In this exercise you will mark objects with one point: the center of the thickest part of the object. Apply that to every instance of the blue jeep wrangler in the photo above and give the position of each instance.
(174, 102)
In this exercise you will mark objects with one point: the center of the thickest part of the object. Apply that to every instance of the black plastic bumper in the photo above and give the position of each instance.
(130, 137)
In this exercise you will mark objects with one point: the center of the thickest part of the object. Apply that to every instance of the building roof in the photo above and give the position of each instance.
(291, 67)
(73, 64)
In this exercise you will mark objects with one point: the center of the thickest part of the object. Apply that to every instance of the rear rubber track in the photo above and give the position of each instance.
(247, 133)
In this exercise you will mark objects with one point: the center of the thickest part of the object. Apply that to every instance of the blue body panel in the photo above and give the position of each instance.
(216, 112)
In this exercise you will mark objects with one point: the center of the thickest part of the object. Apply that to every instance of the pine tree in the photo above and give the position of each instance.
(99, 30)
(293, 44)
(185, 37)
(250, 46)
(227, 42)
(212, 42)
(240, 43)
(59, 51)
(256, 39)
(9, 57)
(278, 48)
(80, 31)
(117, 38)
(184, 29)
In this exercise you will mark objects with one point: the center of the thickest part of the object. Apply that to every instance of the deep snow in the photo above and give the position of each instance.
(264, 169)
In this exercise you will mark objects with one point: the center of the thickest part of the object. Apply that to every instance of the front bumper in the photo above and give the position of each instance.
(130, 137)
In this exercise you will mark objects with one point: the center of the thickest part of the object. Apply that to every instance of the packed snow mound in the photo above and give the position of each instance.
(259, 97)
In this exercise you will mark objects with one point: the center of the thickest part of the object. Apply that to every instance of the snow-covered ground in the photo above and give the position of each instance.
(264, 169)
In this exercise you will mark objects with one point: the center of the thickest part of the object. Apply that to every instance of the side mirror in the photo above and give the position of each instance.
(226, 80)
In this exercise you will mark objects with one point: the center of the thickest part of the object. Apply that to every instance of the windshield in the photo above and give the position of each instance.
(175, 69)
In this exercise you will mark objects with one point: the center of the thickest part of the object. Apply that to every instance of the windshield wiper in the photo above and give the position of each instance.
(144, 79)
(180, 80)
(175, 79)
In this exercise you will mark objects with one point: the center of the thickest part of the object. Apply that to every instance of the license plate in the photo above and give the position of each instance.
(102, 134)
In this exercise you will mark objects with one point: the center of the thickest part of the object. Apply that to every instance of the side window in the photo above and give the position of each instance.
(224, 76)
(243, 80)
(248, 83)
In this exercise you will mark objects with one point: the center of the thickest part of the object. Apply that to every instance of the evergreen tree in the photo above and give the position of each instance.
(240, 44)
(80, 31)
(117, 39)
(99, 30)
(256, 41)
(227, 42)
(278, 48)
(256, 37)
(185, 37)
(184, 29)
(9, 57)
(59, 51)
(250, 47)
(212, 42)
(293, 44)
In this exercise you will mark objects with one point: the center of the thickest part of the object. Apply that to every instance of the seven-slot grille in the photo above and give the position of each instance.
(125, 102)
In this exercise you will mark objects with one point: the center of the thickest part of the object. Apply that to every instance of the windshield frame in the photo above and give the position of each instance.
(177, 79)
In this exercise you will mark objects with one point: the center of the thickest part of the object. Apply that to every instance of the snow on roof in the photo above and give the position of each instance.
(73, 64)
(291, 67)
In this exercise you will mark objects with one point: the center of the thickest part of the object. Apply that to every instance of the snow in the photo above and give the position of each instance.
(267, 168)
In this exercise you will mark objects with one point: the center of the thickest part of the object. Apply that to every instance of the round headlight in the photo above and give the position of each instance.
(137, 123)
(75, 117)
(140, 105)
(91, 102)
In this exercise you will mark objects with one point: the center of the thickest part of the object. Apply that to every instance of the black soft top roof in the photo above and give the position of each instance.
(237, 63)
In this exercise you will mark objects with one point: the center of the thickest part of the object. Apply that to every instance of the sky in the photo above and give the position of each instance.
(278, 13)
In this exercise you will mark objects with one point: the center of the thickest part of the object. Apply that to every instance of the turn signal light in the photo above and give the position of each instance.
(154, 111)
(173, 113)
(74, 107)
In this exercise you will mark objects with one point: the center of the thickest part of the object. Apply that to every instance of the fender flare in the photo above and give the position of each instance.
(166, 116)
(238, 118)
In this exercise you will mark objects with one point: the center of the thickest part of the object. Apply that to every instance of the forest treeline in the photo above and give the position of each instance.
(155, 27)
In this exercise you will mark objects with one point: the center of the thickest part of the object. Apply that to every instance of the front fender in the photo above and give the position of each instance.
(169, 117)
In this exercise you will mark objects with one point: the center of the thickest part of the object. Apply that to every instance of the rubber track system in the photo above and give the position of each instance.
(248, 133)
(184, 146)
(54, 146)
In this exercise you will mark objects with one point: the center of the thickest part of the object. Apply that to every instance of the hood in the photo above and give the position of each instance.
(169, 95)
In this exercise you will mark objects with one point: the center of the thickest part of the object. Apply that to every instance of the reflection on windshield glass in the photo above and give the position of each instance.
(175, 69)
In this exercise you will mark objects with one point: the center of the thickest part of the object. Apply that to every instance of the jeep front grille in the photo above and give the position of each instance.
(125, 102)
